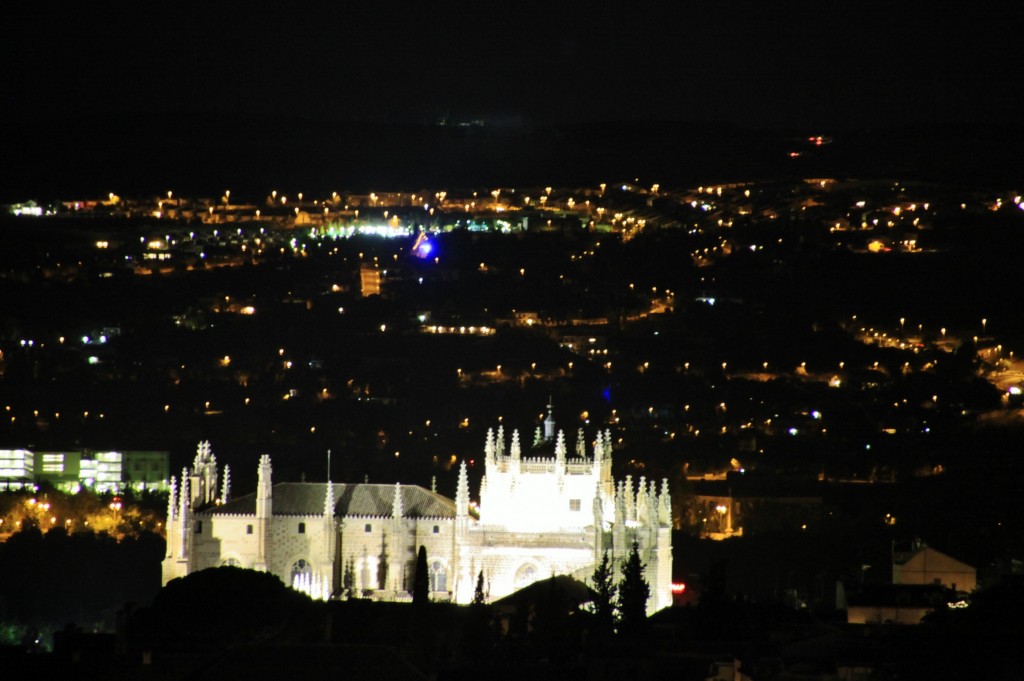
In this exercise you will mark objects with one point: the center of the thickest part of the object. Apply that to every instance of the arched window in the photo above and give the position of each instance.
(526, 575)
(438, 576)
(231, 562)
(300, 568)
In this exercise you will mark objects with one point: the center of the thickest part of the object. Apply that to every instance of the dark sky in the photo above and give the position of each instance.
(828, 65)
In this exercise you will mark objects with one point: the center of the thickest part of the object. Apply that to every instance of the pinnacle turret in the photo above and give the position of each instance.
(560, 447)
(396, 503)
(225, 488)
(462, 491)
(329, 500)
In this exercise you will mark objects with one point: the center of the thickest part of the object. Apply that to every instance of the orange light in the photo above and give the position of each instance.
(678, 587)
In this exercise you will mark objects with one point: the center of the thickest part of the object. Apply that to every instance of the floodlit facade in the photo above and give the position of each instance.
(542, 512)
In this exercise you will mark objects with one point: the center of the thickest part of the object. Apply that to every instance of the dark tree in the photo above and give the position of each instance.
(421, 581)
(604, 604)
(633, 594)
(478, 593)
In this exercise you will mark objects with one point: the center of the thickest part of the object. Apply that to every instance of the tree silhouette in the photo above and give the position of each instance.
(604, 604)
(633, 594)
(421, 580)
(478, 592)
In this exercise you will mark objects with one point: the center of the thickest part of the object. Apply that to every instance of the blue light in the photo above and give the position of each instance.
(424, 249)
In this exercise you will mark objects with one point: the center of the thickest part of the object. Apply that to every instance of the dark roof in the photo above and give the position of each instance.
(901, 595)
(573, 591)
(361, 499)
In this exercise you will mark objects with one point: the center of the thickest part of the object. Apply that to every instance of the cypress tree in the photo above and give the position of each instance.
(478, 592)
(633, 594)
(421, 580)
(604, 604)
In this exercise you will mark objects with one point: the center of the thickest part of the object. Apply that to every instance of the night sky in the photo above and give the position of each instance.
(138, 97)
(833, 65)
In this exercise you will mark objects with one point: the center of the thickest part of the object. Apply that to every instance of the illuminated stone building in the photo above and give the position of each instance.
(542, 512)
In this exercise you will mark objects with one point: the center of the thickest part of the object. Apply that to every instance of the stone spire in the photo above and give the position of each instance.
(581, 444)
(462, 492)
(499, 443)
(204, 475)
(560, 448)
(630, 499)
(598, 449)
(516, 450)
(538, 438)
(183, 508)
(489, 446)
(172, 501)
(264, 488)
(396, 502)
(329, 543)
(172, 497)
(225, 486)
(329, 500)
(641, 501)
(664, 505)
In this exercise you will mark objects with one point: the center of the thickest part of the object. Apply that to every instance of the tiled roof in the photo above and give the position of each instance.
(361, 499)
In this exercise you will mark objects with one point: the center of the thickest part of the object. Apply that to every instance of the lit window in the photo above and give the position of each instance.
(525, 575)
(438, 577)
(300, 568)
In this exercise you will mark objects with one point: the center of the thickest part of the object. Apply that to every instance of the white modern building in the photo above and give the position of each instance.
(70, 471)
(541, 512)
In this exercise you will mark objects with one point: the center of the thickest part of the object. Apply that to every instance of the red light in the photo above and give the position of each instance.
(678, 587)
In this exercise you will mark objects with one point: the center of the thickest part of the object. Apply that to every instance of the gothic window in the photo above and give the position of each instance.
(232, 562)
(368, 528)
(302, 528)
(574, 504)
(438, 577)
(526, 575)
(248, 529)
(300, 568)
